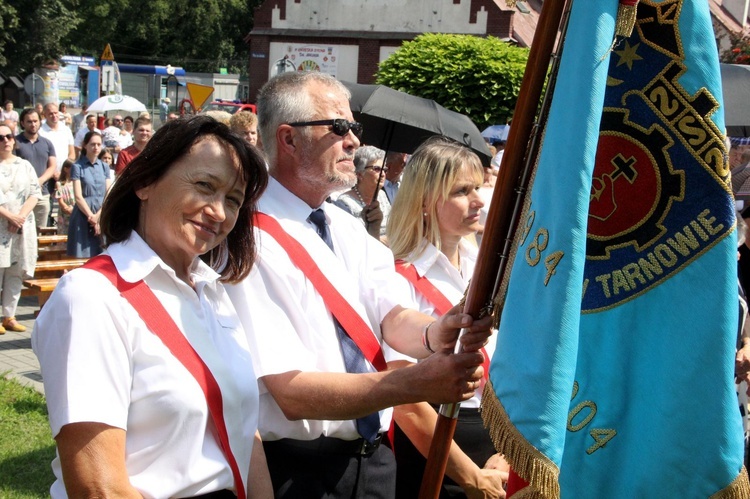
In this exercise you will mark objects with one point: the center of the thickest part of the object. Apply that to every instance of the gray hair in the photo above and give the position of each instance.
(366, 155)
(284, 99)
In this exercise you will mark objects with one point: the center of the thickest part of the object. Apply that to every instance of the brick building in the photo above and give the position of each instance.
(348, 38)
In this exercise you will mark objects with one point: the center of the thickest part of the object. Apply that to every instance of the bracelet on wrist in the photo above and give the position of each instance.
(426, 339)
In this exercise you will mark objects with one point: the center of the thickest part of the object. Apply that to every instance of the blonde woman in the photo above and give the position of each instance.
(430, 232)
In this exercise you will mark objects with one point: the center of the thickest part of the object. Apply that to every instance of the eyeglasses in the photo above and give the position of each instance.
(338, 126)
(377, 169)
(7, 137)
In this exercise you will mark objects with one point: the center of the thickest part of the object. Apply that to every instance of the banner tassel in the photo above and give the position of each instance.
(625, 22)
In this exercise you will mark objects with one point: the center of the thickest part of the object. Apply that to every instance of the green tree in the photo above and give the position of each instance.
(33, 32)
(8, 25)
(480, 77)
(200, 36)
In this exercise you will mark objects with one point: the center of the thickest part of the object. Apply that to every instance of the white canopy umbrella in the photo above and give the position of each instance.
(116, 103)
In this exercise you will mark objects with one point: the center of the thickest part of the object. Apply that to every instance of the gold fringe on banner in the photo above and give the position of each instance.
(530, 464)
(541, 473)
(738, 489)
(626, 14)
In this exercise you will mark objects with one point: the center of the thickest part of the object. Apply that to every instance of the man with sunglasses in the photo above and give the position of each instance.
(322, 299)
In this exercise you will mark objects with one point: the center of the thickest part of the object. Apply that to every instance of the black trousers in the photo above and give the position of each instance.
(313, 470)
(51, 188)
(471, 436)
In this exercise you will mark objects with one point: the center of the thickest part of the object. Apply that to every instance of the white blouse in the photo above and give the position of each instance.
(101, 364)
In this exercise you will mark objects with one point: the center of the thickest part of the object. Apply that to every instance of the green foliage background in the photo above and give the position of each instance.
(26, 446)
(479, 77)
(199, 36)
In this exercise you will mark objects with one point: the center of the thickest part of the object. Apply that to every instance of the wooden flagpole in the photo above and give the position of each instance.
(502, 220)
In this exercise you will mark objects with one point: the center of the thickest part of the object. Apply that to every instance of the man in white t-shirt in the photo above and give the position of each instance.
(81, 133)
(62, 138)
(59, 134)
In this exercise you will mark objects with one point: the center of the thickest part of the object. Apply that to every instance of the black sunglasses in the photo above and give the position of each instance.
(7, 137)
(339, 126)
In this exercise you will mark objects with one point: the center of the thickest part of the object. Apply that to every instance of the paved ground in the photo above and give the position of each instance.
(16, 358)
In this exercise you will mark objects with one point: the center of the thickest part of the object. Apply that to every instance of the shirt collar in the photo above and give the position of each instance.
(135, 260)
(283, 204)
(429, 255)
(84, 160)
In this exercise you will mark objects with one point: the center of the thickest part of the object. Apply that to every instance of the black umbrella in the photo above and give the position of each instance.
(397, 121)
(735, 84)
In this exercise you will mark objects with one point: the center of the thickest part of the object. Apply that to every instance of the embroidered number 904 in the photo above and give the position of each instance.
(583, 413)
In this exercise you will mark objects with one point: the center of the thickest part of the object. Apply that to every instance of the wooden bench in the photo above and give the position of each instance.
(41, 288)
(56, 268)
(46, 275)
(51, 239)
(46, 231)
(51, 253)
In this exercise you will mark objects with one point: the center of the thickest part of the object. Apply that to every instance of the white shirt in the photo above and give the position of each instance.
(61, 139)
(100, 363)
(497, 160)
(391, 189)
(289, 327)
(113, 137)
(436, 267)
(81, 133)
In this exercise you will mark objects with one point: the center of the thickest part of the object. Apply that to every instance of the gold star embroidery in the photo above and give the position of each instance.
(628, 55)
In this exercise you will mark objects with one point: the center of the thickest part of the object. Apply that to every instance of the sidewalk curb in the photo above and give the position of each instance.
(17, 360)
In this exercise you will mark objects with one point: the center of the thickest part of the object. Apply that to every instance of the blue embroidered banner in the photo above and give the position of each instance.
(613, 372)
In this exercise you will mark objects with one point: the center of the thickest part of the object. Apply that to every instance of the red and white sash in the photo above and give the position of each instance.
(159, 322)
(435, 297)
(357, 329)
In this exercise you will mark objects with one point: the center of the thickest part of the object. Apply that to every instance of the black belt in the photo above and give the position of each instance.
(330, 445)
(219, 494)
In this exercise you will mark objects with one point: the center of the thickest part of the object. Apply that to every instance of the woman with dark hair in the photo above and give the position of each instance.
(427, 233)
(127, 124)
(90, 184)
(131, 417)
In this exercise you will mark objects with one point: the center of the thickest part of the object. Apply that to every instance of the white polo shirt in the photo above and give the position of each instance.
(100, 363)
(61, 139)
(289, 327)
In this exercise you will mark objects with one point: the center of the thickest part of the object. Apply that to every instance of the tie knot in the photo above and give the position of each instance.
(318, 217)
